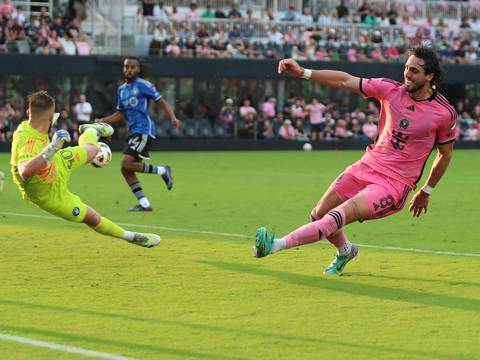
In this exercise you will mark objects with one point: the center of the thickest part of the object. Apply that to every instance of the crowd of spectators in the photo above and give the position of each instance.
(40, 34)
(319, 38)
(303, 120)
(381, 36)
(70, 117)
(298, 120)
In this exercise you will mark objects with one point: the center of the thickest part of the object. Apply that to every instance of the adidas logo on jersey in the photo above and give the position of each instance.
(411, 108)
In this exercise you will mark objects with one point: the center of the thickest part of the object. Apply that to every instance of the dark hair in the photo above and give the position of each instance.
(144, 67)
(40, 101)
(431, 63)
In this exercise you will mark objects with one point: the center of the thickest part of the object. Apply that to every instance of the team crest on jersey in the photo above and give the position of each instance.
(76, 211)
(404, 123)
(133, 101)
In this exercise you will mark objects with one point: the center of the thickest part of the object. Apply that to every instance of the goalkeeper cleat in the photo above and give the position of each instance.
(139, 207)
(146, 240)
(167, 177)
(263, 243)
(339, 262)
(103, 129)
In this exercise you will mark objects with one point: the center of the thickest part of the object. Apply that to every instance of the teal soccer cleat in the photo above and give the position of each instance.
(263, 243)
(339, 262)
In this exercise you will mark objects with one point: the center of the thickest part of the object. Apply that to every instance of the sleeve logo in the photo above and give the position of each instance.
(76, 211)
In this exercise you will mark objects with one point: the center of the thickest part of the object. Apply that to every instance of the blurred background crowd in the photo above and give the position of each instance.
(215, 29)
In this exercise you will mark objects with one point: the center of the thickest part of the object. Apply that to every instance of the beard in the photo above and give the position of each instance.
(414, 87)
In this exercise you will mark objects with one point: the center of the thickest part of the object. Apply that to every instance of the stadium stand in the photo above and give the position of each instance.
(374, 31)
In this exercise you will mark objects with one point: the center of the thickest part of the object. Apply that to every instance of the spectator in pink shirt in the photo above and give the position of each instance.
(392, 53)
(287, 131)
(317, 123)
(341, 131)
(322, 54)
(290, 37)
(352, 53)
(247, 111)
(370, 129)
(172, 49)
(8, 6)
(193, 14)
(268, 108)
(176, 16)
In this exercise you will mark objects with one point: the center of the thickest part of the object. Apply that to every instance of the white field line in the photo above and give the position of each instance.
(64, 348)
(388, 248)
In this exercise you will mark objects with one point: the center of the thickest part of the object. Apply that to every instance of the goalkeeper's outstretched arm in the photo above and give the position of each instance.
(332, 78)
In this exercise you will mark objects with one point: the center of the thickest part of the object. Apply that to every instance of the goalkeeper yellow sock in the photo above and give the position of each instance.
(107, 227)
(88, 137)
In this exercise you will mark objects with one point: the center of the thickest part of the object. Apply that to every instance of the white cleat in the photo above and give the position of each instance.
(146, 240)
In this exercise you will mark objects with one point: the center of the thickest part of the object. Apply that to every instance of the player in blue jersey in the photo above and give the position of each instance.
(133, 100)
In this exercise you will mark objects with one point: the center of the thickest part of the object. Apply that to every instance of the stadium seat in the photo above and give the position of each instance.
(220, 131)
(142, 44)
(205, 131)
(190, 130)
(23, 47)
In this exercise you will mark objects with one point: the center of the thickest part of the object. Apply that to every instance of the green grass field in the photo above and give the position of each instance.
(201, 295)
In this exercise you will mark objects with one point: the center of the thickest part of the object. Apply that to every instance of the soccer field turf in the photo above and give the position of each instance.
(201, 295)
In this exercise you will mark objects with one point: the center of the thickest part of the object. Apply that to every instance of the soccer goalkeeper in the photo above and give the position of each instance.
(41, 168)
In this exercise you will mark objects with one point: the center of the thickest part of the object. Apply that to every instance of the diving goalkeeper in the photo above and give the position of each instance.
(41, 168)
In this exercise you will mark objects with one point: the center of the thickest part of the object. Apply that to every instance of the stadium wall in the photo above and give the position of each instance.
(111, 66)
(249, 145)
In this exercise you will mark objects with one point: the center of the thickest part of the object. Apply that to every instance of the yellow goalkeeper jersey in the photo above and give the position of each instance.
(28, 143)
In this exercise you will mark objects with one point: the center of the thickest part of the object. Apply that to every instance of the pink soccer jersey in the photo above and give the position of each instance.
(408, 129)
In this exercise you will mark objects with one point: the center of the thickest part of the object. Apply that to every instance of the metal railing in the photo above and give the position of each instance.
(449, 10)
(105, 36)
(26, 6)
(258, 30)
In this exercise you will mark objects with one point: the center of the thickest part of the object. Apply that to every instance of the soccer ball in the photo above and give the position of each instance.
(307, 147)
(103, 157)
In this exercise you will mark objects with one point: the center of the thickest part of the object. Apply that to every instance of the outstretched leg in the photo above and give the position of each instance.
(106, 227)
(328, 226)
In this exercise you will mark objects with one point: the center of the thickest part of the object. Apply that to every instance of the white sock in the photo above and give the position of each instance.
(345, 249)
(161, 170)
(129, 235)
(278, 244)
(144, 202)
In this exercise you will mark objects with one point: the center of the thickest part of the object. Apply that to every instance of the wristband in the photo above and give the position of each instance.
(48, 153)
(307, 74)
(427, 189)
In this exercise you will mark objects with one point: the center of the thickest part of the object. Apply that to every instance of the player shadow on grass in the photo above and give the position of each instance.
(417, 279)
(353, 288)
(354, 345)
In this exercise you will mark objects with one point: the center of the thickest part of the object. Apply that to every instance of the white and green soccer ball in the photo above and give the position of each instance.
(103, 157)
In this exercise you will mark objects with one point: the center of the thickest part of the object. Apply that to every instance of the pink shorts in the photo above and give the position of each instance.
(385, 196)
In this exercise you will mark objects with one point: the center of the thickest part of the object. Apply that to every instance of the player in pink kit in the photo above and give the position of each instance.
(414, 118)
